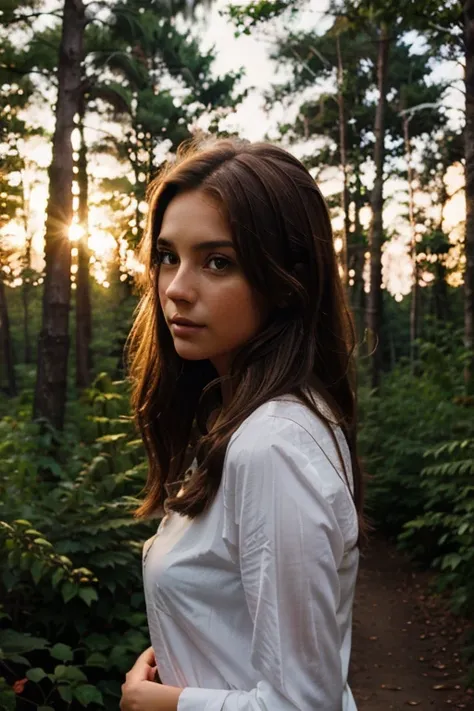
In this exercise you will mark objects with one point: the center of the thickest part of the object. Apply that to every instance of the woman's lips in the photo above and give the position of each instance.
(184, 329)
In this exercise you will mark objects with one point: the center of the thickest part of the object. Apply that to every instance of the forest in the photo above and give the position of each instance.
(377, 99)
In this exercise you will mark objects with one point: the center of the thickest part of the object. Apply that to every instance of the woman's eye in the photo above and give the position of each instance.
(219, 263)
(165, 257)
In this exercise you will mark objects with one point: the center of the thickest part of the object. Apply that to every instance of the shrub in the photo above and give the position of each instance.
(74, 617)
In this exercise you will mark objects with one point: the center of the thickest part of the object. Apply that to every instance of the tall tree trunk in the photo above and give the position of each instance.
(83, 300)
(7, 379)
(357, 260)
(26, 293)
(26, 286)
(442, 311)
(53, 346)
(343, 158)
(415, 295)
(374, 301)
(469, 155)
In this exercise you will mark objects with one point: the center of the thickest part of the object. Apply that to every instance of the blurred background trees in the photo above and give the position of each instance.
(376, 98)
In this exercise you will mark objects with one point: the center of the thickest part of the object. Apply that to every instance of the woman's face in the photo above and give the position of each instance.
(200, 282)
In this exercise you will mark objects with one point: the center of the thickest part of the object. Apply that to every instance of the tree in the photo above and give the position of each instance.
(468, 16)
(53, 346)
(449, 27)
(341, 119)
(14, 96)
(83, 298)
(376, 235)
(136, 19)
(159, 91)
(7, 370)
(413, 91)
(381, 19)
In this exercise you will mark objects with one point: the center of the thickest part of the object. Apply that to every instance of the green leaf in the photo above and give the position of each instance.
(9, 579)
(7, 700)
(64, 559)
(97, 641)
(35, 674)
(62, 652)
(87, 694)
(96, 659)
(65, 692)
(120, 657)
(88, 595)
(69, 590)
(26, 561)
(45, 708)
(12, 642)
(18, 659)
(69, 673)
(112, 437)
(452, 560)
(37, 570)
(59, 671)
(42, 542)
(57, 576)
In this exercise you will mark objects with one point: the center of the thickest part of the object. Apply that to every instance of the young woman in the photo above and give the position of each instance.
(241, 362)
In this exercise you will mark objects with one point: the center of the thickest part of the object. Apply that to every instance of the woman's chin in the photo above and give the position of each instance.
(187, 351)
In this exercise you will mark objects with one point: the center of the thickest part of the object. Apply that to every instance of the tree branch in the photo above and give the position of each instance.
(29, 16)
(440, 28)
(304, 63)
(25, 72)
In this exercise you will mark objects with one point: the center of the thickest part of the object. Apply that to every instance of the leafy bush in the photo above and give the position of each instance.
(412, 413)
(74, 615)
(417, 440)
(448, 518)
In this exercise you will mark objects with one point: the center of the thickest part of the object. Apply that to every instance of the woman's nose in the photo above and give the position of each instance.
(182, 286)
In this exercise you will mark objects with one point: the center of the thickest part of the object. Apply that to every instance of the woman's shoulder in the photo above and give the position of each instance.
(284, 418)
(289, 425)
(285, 448)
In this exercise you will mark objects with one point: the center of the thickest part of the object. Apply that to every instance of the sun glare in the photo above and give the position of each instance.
(75, 232)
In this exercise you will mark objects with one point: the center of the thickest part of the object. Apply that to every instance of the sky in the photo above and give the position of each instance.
(252, 52)
(252, 122)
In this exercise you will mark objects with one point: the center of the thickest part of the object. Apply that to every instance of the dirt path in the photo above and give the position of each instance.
(406, 647)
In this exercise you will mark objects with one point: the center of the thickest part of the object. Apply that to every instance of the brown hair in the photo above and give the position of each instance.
(284, 244)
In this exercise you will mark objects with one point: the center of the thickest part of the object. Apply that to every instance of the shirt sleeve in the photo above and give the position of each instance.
(284, 534)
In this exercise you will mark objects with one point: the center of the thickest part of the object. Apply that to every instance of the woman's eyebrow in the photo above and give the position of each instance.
(208, 244)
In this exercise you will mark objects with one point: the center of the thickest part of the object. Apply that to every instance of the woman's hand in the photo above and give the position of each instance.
(144, 670)
(141, 693)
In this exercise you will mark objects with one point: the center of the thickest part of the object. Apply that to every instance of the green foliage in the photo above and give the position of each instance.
(412, 413)
(151, 74)
(417, 441)
(70, 550)
(448, 518)
(252, 14)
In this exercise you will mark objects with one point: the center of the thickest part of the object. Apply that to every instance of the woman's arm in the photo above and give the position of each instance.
(285, 535)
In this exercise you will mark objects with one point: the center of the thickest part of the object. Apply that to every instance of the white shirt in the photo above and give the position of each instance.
(250, 604)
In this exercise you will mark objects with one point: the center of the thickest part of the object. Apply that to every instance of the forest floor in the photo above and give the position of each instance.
(407, 647)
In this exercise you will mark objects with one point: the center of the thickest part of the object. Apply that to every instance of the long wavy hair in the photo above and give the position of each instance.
(284, 244)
